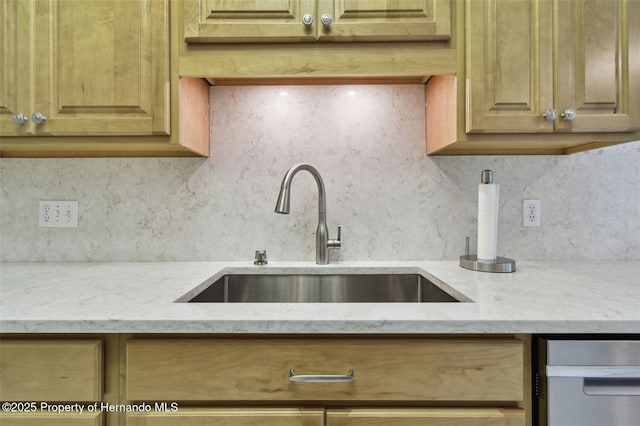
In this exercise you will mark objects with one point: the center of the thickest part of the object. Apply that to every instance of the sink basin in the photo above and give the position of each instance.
(339, 288)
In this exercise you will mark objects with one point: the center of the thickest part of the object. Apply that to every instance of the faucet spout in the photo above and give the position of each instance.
(283, 206)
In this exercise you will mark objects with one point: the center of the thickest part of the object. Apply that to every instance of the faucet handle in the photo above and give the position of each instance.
(337, 243)
(261, 258)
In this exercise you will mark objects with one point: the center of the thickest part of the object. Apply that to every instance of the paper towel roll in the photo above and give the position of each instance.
(488, 194)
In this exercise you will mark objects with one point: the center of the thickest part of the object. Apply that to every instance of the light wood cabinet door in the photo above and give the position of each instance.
(226, 21)
(597, 45)
(101, 67)
(52, 419)
(15, 66)
(525, 57)
(509, 66)
(51, 370)
(90, 68)
(393, 369)
(358, 20)
(223, 21)
(246, 416)
(425, 417)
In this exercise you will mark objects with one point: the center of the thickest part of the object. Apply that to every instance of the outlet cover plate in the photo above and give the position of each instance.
(531, 212)
(58, 214)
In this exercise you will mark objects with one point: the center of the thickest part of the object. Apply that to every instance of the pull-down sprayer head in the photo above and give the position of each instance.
(283, 204)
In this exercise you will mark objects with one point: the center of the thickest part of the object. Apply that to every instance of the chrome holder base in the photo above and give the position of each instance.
(501, 264)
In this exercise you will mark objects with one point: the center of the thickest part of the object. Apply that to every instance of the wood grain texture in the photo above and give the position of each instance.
(264, 21)
(48, 370)
(101, 67)
(425, 417)
(124, 132)
(441, 111)
(375, 20)
(493, 136)
(194, 114)
(597, 72)
(247, 416)
(222, 21)
(508, 66)
(52, 419)
(15, 66)
(389, 370)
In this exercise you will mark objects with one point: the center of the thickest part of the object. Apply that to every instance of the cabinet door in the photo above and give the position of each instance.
(597, 45)
(15, 65)
(509, 66)
(246, 416)
(385, 20)
(51, 370)
(225, 21)
(101, 67)
(425, 417)
(52, 419)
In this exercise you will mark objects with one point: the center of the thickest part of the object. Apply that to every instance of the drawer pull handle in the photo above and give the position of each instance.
(321, 378)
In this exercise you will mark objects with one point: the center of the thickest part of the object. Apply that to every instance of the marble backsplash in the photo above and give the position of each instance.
(393, 202)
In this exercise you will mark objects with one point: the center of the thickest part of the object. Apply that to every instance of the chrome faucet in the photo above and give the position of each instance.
(323, 243)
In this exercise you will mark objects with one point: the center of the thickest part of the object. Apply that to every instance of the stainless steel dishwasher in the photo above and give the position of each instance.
(588, 382)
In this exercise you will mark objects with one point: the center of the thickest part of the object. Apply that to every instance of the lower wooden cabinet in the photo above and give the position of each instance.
(67, 373)
(389, 369)
(272, 380)
(51, 370)
(230, 417)
(425, 417)
(391, 381)
(52, 419)
(331, 417)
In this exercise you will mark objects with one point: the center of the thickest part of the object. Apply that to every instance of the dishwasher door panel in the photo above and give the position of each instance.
(587, 382)
(569, 405)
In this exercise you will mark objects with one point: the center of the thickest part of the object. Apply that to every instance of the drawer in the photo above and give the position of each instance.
(246, 416)
(384, 369)
(52, 419)
(48, 370)
(425, 417)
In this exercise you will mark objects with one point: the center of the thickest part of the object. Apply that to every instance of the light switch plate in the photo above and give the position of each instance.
(58, 214)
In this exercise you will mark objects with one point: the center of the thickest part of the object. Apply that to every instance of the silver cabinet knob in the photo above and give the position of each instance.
(307, 19)
(19, 118)
(550, 114)
(38, 118)
(326, 20)
(568, 114)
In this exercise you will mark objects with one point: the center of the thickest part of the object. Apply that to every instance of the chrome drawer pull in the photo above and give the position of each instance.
(321, 378)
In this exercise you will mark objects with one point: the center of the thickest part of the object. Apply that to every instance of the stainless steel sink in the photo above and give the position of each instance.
(343, 288)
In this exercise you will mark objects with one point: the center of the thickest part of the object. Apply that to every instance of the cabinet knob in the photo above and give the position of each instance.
(19, 118)
(38, 118)
(307, 19)
(326, 20)
(568, 114)
(550, 114)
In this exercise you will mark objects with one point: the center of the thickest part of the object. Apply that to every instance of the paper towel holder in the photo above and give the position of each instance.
(470, 261)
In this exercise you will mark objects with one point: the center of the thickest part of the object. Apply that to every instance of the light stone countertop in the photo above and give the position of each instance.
(138, 297)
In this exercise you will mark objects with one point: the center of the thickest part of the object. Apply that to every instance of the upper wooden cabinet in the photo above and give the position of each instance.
(309, 20)
(89, 68)
(527, 57)
(98, 73)
(539, 77)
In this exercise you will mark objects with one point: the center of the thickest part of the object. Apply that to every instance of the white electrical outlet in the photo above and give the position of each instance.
(58, 214)
(531, 212)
